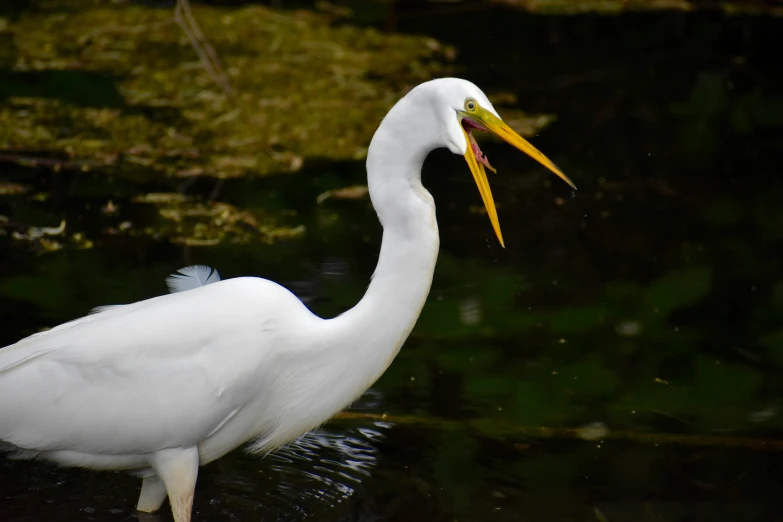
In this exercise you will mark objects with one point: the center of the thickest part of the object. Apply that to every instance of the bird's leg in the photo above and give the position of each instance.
(178, 469)
(153, 493)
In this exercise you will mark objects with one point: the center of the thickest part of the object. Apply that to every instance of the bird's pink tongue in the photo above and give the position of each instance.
(477, 152)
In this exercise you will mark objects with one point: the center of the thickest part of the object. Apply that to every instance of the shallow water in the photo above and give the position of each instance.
(639, 320)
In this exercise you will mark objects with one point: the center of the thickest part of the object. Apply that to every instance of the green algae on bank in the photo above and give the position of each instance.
(194, 223)
(89, 86)
(121, 84)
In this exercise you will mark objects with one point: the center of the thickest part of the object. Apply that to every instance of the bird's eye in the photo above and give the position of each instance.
(470, 104)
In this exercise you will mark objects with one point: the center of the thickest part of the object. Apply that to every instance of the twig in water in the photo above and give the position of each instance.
(206, 53)
(543, 432)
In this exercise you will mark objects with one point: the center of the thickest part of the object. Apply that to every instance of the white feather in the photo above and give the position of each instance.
(184, 279)
(192, 277)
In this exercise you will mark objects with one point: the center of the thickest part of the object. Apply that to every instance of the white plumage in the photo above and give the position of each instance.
(192, 277)
(162, 386)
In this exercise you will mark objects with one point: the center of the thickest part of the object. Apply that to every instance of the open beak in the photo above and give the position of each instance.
(482, 119)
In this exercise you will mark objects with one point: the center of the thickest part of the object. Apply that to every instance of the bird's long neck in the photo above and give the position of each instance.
(356, 347)
(378, 325)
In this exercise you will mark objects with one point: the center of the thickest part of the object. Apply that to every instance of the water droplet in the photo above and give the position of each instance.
(629, 328)
(593, 431)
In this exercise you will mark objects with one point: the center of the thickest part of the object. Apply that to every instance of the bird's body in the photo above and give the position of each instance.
(103, 382)
(162, 386)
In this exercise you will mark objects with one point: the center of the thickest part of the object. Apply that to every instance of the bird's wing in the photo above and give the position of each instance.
(149, 375)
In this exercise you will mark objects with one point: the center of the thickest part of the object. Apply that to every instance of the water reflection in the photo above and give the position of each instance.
(335, 463)
(326, 466)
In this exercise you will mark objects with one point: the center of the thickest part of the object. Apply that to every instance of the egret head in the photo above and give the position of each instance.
(467, 110)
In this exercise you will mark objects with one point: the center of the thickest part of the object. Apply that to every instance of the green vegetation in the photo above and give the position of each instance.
(122, 84)
(118, 89)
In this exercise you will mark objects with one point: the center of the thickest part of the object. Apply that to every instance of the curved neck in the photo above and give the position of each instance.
(360, 344)
(378, 325)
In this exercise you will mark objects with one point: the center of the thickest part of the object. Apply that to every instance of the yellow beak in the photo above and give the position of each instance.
(494, 124)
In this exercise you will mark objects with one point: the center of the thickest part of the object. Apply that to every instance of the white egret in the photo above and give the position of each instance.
(162, 386)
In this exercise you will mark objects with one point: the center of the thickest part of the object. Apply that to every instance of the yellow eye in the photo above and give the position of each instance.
(470, 104)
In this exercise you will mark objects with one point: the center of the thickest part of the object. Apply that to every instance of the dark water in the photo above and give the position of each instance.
(646, 308)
